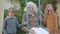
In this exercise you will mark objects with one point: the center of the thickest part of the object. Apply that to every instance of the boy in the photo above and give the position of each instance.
(11, 23)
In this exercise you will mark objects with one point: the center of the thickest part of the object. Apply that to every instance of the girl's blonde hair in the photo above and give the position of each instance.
(33, 5)
(46, 9)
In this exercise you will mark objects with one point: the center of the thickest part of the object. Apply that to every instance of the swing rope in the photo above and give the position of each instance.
(27, 15)
(40, 13)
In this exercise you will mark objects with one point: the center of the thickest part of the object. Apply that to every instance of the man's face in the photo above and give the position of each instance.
(11, 12)
(30, 9)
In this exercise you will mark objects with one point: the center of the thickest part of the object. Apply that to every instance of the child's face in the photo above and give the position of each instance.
(49, 8)
(11, 12)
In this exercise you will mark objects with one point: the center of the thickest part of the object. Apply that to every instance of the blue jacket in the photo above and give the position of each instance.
(11, 24)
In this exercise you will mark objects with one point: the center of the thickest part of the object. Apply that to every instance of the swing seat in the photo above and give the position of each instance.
(39, 30)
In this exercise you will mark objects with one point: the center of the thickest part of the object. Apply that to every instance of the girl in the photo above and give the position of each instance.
(51, 19)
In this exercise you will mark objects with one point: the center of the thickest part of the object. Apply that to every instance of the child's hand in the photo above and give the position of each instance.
(24, 23)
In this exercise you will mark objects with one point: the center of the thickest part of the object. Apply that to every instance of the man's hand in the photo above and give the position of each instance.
(31, 31)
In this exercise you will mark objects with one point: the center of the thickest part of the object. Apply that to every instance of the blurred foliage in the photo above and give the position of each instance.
(45, 2)
(19, 13)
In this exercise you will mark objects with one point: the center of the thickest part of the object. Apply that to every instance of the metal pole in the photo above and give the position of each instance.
(39, 4)
(27, 14)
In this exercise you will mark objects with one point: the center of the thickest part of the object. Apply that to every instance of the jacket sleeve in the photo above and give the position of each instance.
(19, 25)
(4, 26)
(24, 28)
(5, 23)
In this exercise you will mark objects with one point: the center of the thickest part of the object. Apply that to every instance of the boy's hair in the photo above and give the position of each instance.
(11, 9)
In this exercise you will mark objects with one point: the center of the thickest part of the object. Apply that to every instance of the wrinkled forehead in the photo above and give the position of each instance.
(30, 5)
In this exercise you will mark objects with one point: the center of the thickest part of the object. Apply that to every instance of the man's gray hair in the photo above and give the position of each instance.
(33, 5)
